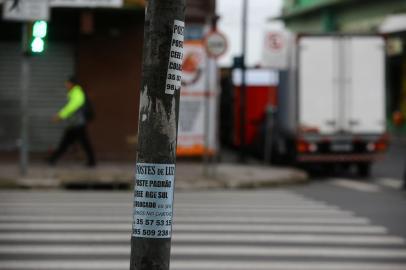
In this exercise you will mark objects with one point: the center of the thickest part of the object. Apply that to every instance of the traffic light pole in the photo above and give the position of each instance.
(157, 135)
(25, 78)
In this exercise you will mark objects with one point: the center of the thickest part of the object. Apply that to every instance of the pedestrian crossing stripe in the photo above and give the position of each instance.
(355, 185)
(390, 183)
(199, 265)
(374, 186)
(179, 227)
(218, 251)
(285, 231)
(189, 219)
(250, 238)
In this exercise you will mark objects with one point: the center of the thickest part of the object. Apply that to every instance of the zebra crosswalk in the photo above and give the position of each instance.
(213, 230)
(373, 185)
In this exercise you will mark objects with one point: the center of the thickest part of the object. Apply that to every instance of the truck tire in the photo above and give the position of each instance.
(364, 169)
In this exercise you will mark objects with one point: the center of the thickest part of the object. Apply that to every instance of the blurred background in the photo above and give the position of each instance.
(292, 115)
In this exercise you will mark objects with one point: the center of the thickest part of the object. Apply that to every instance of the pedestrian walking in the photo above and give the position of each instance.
(78, 112)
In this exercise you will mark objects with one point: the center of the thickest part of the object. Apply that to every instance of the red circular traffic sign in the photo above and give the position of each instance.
(216, 44)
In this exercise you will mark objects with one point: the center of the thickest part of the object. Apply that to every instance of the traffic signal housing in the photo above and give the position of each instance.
(35, 37)
(39, 33)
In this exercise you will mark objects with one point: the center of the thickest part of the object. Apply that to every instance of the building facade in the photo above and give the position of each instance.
(320, 16)
(102, 46)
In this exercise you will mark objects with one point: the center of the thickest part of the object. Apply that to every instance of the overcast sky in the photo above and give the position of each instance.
(230, 12)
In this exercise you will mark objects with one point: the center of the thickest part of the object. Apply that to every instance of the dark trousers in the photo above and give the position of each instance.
(70, 136)
(404, 178)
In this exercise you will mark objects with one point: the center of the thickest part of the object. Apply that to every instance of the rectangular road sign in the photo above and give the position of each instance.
(25, 10)
(86, 3)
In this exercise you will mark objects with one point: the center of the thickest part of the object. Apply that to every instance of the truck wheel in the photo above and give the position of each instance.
(364, 169)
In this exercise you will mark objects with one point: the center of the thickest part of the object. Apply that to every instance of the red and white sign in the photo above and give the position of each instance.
(276, 49)
(216, 44)
(274, 41)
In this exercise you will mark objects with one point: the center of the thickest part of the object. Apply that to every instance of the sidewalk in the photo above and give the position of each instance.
(189, 175)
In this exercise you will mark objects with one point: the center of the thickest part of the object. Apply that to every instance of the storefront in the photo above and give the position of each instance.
(102, 45)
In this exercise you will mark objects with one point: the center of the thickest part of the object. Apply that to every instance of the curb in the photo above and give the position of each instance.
(229, 176)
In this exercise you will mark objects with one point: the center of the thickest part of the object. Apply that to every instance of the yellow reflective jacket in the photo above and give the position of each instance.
(72, 109)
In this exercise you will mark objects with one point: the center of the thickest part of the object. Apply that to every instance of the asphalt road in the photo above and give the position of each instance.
(379, 197)
(339, 224)
(380, 200)
(394, 163)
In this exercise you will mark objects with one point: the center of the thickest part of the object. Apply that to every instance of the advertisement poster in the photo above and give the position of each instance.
(196, 77)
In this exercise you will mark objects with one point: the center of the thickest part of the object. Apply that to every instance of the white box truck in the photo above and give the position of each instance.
(331, 106)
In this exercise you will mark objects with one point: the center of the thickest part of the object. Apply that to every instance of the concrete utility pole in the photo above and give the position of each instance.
(157, 135)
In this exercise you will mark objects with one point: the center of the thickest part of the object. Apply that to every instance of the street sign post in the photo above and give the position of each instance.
(216, 46)
(157, 135)
(26, 10)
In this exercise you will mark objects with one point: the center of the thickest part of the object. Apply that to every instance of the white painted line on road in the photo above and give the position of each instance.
(218, 251)
(219, 227)
(64, 265)
(64, 218)
(390, 182)
(66, 237)
(270, 208)
(27, 227)
(252, 213)
(198, 265)
(324, 252)
(274, 219)
(193, 197)
(263, 205)
(355, 185)
(229, 205)
(208, 238)
(123, 197)
(201, 207)
(283, 238)
(111, 250)
(283, 228)
(204, 203)
(344, 220)
(263, 211)
(189, 219)
(282, 265)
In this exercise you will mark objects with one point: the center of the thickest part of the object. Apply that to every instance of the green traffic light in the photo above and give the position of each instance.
(39, 32)
(39, 29)
(37, 45)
